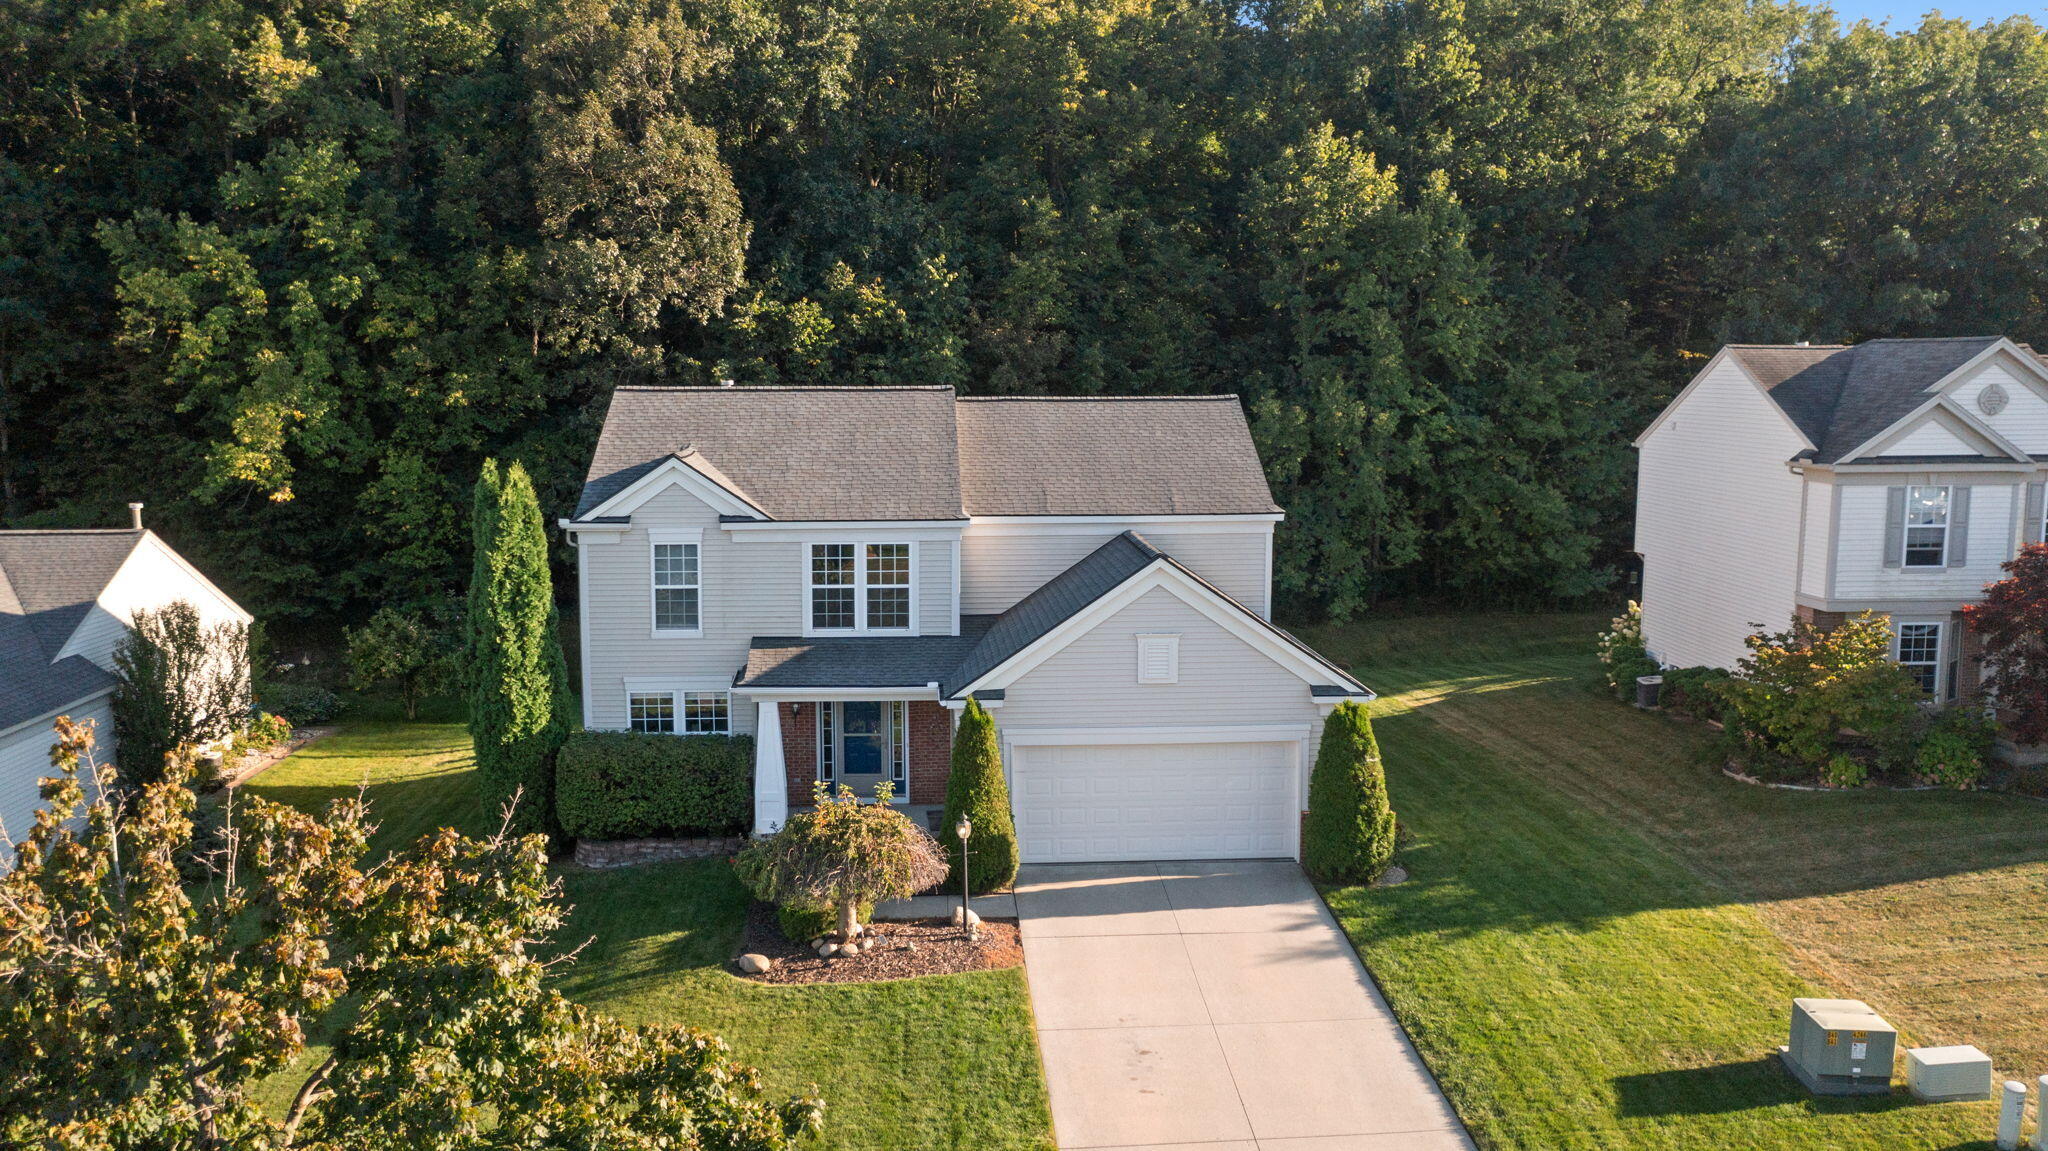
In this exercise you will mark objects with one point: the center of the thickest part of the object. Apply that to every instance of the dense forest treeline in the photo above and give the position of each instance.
(290, 269)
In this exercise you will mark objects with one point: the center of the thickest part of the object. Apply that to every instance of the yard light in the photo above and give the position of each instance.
(962, 830)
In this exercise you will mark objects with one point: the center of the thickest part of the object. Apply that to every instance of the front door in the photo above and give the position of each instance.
(863, 746)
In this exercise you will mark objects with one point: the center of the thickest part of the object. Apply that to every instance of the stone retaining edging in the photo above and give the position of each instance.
(608, 853)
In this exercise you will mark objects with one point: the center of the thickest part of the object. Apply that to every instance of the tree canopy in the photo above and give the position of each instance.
(291, 270)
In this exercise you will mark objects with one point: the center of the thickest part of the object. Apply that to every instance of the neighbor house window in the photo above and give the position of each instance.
(1926, 527)
(652, 711)
(1920, 654)
(860, 587)
(676, 587)
(701, 712)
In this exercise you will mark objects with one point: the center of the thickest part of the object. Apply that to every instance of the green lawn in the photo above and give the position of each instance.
(947, 1061)
(1602, 933)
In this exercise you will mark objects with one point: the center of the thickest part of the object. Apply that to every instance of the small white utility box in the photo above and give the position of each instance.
(1946, 1074)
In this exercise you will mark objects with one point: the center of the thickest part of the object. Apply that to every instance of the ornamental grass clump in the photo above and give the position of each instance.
(842, 855)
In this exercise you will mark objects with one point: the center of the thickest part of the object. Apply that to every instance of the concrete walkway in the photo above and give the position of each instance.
(1215, 1007)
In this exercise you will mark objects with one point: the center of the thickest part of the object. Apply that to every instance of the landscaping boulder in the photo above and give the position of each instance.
(973, 917)
(754, 964)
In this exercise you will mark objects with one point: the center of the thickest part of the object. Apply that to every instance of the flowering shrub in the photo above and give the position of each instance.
(1796, 692)
(1621, 651)
(1844, 771)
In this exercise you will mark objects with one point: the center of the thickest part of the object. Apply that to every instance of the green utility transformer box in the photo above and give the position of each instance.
(1840, 1047)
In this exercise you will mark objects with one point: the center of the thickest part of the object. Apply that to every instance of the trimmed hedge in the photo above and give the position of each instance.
(629, 785)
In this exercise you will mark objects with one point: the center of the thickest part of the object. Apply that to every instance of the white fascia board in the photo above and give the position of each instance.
(1700, 376)
(1242, 733)
(50, 717)
(596, 533)
(855, 531)
(2002, 345)
(1160, 574)
(1069, 525)
(828, 694)
(673, 472)
(1879, 466)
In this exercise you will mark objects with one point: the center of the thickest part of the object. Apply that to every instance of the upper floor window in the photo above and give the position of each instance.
(860, 587)
(677, 588)
(1927, 522)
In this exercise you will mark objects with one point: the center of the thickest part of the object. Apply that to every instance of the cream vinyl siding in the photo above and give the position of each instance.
(25, 760)
(1930, 439)
(2024, 419)
(934, 576)
(151, 577)
(1819, 537)
(748, 589)
(1860, 573)
(998, 568)
(1717, 520)
(1093, 681)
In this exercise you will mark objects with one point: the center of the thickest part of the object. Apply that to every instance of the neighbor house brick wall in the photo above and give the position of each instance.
(1824, 620)
(931, 750)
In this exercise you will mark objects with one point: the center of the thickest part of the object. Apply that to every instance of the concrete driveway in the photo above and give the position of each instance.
(1215, 1007)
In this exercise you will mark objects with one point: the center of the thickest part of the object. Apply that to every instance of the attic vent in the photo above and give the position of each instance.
(1159, 658)
(1992, 399)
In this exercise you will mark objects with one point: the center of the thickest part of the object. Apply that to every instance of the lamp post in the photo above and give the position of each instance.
(963, 829)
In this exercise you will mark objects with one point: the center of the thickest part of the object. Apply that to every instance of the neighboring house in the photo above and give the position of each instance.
(836, 570)
(1892, 476)
(66, 598)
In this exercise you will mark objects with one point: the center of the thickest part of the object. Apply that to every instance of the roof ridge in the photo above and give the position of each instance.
(1095, 399)
(784, 388)
(72, 531)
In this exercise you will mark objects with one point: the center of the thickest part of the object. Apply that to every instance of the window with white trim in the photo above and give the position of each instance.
(685, 712)
(1159, 658)
(1926, 527)
(860, 587)
(677, 588)
(1920, 655)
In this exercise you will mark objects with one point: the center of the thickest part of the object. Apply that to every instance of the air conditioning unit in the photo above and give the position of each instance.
(1945, 1074)
(1840, 1047)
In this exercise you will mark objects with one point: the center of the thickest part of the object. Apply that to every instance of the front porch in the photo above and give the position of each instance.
(863, 741)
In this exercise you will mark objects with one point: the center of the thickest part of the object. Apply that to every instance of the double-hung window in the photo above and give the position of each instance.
(860, 587)
(1920, 655)
(680, 712)
(1927, 518)
(678, 589)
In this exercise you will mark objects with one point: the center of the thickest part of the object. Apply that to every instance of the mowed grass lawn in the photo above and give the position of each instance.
(1603, 934)
(940, 1062)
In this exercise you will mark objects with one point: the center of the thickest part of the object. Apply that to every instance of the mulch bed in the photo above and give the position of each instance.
(908, 948)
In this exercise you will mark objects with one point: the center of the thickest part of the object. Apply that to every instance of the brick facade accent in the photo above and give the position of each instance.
(931, 750)
(1824, 620)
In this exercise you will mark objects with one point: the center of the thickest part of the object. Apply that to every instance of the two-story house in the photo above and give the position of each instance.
(66, 601)
(835, 571)
(1892, 476)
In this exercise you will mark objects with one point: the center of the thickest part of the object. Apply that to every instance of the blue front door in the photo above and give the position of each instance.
(862, 746)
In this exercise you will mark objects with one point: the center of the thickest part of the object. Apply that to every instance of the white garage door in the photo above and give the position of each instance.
(1154, 801)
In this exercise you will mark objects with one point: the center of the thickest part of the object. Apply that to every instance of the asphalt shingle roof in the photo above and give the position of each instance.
(1164, 455)
(924, 454)
(984, 643)
(801, 453)
(48, 582)
(1841, 395)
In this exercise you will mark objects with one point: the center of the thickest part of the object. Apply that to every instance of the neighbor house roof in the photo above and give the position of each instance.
(985, 643)
(49, 580)
(923, 453)
(1840, 395)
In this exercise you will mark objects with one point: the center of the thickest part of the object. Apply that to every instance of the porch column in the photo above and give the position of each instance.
(771, 781)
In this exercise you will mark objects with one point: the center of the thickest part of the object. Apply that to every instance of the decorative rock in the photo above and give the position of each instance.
(754, 964)
(1392, 877)
(868, 944)
(910, 945)
(827, 950)
(973, 917)
(858, 931)
(817, 941)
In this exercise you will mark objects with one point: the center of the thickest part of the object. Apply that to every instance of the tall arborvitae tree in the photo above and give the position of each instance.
(976, 790)
(519, 683)
(1348, 836)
